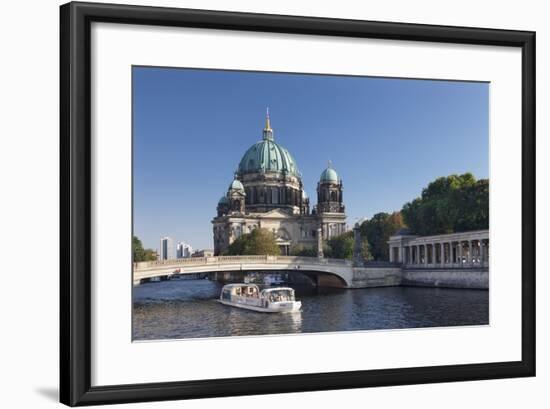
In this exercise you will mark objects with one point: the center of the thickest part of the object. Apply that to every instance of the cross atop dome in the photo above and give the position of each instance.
(268, 132)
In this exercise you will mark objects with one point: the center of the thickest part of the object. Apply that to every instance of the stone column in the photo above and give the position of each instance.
(320, 242)
(442, 252)
(481, 253)
(400, 254)
(391, 252)
(460, 253)
(470, 248)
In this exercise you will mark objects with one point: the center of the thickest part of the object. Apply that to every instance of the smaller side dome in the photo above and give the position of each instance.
(236, 185)
(223, 200)
(329, 175)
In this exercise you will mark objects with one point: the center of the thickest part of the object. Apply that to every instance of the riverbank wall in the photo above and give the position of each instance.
(366, 277)
(448, 278)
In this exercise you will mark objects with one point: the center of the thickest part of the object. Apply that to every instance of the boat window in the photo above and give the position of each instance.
(281, 295)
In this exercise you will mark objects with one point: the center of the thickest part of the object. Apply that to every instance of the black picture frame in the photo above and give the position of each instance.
(76, 197)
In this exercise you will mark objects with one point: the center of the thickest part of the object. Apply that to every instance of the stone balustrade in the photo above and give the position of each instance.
(201, 261)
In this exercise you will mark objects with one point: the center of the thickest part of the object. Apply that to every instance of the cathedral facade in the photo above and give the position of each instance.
(267, 192)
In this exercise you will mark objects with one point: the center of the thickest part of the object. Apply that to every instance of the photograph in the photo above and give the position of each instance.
(277, 203)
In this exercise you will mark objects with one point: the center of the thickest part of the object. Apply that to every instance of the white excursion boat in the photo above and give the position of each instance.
(249, 296)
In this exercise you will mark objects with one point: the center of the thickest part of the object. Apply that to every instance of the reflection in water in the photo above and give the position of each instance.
(188, 309)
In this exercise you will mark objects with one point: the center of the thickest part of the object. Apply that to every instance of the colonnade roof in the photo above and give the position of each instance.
(468, 235)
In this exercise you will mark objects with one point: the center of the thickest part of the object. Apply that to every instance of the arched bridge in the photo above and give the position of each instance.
(342, 269)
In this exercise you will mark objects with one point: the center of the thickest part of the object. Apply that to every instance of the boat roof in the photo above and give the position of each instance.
(267, 290)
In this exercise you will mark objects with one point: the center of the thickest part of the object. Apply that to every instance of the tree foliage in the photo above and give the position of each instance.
(141, 254)
(365, 249)
(377, 232)
(303, 251)
(257, 242)
(340, 246)
(449, 204)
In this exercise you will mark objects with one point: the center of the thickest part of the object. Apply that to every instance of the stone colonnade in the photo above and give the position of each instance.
(467, 249)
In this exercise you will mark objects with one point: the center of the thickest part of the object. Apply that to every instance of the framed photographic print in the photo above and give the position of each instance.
(263, 203)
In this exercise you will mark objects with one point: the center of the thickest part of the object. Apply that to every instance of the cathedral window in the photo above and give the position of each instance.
(275, 196)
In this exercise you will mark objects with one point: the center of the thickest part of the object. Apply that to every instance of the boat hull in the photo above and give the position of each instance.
(293, 306)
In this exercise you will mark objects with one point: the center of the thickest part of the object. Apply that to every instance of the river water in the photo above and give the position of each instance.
(188, 309)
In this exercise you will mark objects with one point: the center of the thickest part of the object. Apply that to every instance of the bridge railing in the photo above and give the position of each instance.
(198, 261)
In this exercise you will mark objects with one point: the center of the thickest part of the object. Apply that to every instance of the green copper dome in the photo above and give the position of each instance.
(268, 156)
(329, 175)
(236, 185)
(223, 200)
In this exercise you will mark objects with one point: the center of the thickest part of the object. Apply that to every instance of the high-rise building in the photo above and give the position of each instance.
(184, 250)
(166, 249)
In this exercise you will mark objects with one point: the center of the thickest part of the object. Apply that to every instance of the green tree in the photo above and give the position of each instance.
(141, 254)
(340, 246)
(150, 255)
(303, 251)
(449, 204)
(365, 250)
(257, 242)
(377, 232)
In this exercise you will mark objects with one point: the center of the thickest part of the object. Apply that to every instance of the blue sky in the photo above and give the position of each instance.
(386, 138)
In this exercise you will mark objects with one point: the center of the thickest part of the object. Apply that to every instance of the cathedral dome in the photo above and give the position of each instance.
(236, 185)
(268, 156)
(329, 175)
(223, 200)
